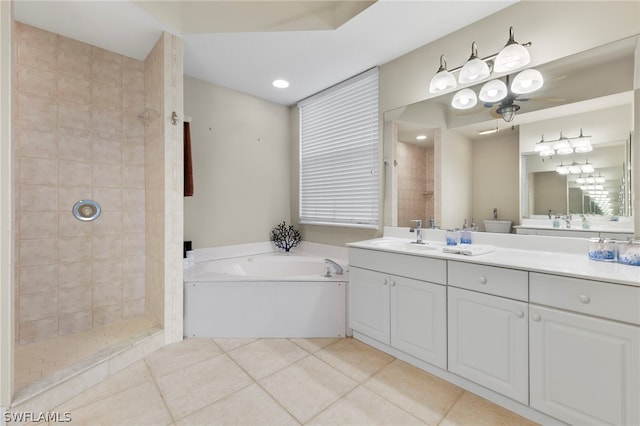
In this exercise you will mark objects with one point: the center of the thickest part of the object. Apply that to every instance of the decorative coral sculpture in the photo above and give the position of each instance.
(285, 237)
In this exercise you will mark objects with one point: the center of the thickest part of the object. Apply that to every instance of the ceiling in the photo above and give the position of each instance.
(245, 45)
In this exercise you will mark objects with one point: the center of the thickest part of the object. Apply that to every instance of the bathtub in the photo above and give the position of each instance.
(265, 295)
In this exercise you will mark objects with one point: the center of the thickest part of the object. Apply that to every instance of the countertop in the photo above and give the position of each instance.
(549, 262)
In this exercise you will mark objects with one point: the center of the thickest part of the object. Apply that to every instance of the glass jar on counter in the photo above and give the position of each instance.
(453, 237)
(602, 249)
(629, 252)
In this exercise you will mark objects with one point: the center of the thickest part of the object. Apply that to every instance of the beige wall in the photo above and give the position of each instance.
(241, 166)
(496, 182)
(77, 137)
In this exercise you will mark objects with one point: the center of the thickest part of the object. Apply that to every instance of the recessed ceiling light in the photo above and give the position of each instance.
(421, 137)
(280, 84)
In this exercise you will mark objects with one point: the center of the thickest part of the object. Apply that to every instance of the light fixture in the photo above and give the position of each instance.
(544, 148)
(582, 143)
(489, 131)
(280, 84)
(508, 111)
(421, 137)
(527, 81)
(587, 167)
(575, 168)
(512, 56)
(464, 99)
(443, 80)
(564, 145)
(474, 69)
(477, 69)
(493, 91)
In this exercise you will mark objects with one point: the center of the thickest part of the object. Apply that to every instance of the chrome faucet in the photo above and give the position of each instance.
(418, 230)
(335, 266)
(567, 220)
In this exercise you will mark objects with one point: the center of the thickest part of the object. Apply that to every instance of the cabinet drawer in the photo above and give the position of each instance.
(614, 301)
(503, 282)
(404, 265)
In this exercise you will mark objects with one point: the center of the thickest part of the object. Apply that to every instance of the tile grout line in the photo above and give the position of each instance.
(155, 384)
(446, 413)
(260, 385)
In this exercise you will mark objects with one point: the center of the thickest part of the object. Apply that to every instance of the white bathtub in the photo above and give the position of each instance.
(265, 295)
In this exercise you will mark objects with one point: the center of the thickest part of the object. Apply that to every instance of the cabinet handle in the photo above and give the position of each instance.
(482, 280)
(536, 317)
(519, 314)
(385, 282)
(584, 298)
(393, 283)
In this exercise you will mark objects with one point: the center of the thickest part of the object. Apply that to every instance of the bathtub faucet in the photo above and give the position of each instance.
(334, 265)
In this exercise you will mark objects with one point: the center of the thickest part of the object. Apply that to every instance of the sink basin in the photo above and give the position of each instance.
(402, 245)
(499, 226)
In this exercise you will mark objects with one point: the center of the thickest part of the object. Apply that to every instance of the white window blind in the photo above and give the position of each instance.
(339, 180)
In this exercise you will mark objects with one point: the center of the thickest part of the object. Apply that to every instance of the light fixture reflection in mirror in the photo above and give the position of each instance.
(594, 80)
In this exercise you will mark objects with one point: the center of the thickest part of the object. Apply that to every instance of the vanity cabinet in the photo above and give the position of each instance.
(406, 313)
(585, 350)
(488, 333)
(369, 309)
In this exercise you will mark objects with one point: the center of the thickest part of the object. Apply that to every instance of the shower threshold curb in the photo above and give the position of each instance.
(75, 379)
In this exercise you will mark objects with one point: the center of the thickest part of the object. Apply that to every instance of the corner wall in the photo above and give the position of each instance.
(164, 184)
(6, 211)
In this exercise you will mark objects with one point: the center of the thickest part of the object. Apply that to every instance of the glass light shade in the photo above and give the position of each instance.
(600, 179)
(508, 112)
(493, 91)
(527, 81)
(464, 99)
(574, 169)
(584, 148)
(511, 57)
(590, 179)
(473, 70)
(563, 170)
(442, 81)
(562, 146)
(587, 168)
(581, 180)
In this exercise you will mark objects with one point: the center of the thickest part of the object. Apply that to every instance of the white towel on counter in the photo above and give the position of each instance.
(468, 249)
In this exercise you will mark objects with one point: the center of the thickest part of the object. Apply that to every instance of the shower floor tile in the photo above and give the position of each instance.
(38, 360)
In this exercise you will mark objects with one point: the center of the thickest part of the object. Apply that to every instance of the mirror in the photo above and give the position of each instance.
(592, 90)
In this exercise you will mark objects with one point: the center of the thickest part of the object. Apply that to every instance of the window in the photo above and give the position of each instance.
(339, 179)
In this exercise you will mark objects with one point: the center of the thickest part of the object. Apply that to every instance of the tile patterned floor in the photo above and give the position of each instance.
(279, 382)
(37, 360)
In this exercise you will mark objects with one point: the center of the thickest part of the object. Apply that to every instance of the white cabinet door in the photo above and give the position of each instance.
(584, 370)
(488, 341)
(369, 303)
(419, 319)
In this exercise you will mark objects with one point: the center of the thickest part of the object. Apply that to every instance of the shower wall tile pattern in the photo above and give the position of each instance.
(77, 136)
(415, 167)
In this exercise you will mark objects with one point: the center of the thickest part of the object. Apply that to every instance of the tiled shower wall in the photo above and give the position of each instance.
(77, 136)
(155, 158)
(415, 183)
